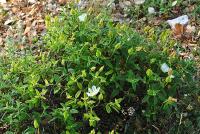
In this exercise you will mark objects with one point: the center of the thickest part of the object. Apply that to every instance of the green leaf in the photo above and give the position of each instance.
(80, 103)
(98, 53)
(86, 116)
(145, 99)
(67, 132)
(92, 68)
(152, 92)
(168, 79)
(108, 109)
(71, 82)
(73, 111)
(100, 97)
(117, 46)
(66, 115)
(92, 131)
(119, 100)
(115, 92)
(94, 120)
(35, 123)
(130, 51)
(149, 73)
(109, 72)
(101, 69)
(79, 85)
(84, 74)
(78, 94)
(116, 107)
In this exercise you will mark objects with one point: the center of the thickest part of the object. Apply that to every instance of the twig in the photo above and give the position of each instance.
(156, 129)
(180, 122)
(181, 119)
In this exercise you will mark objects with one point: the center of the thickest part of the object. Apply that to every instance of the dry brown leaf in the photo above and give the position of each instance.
(32, 11)
(15, 9)
(157, 22)
(172, 99)
(191, 8)
(192, 44)
(40, 27)
(198, 34)
(40, 21)
(1, 41)
(62, 2)
(170, 72)
(178, 30)
(21, 47)
(15, 1)
(27, 29)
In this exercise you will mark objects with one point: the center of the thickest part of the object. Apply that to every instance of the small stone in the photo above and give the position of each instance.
(190, 29)
(183, 20)
(121, 4)
(62, 2)
(198, 34)
(2, 1)
(185, 114)
(9, 21)
(138, 2)
(174, 3)
(127, 3)
(151, 10)
(32, 1)
(185, 95)
(165, 68)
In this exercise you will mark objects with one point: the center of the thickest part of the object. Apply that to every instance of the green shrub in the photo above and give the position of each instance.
(89, 70)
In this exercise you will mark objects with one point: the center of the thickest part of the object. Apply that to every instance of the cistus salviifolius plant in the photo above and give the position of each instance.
(88, 73)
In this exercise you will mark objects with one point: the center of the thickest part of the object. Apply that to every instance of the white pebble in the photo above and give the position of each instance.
(183, 20)
(151, 10)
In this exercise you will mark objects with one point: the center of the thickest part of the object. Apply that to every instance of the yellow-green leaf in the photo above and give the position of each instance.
(35, 123)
